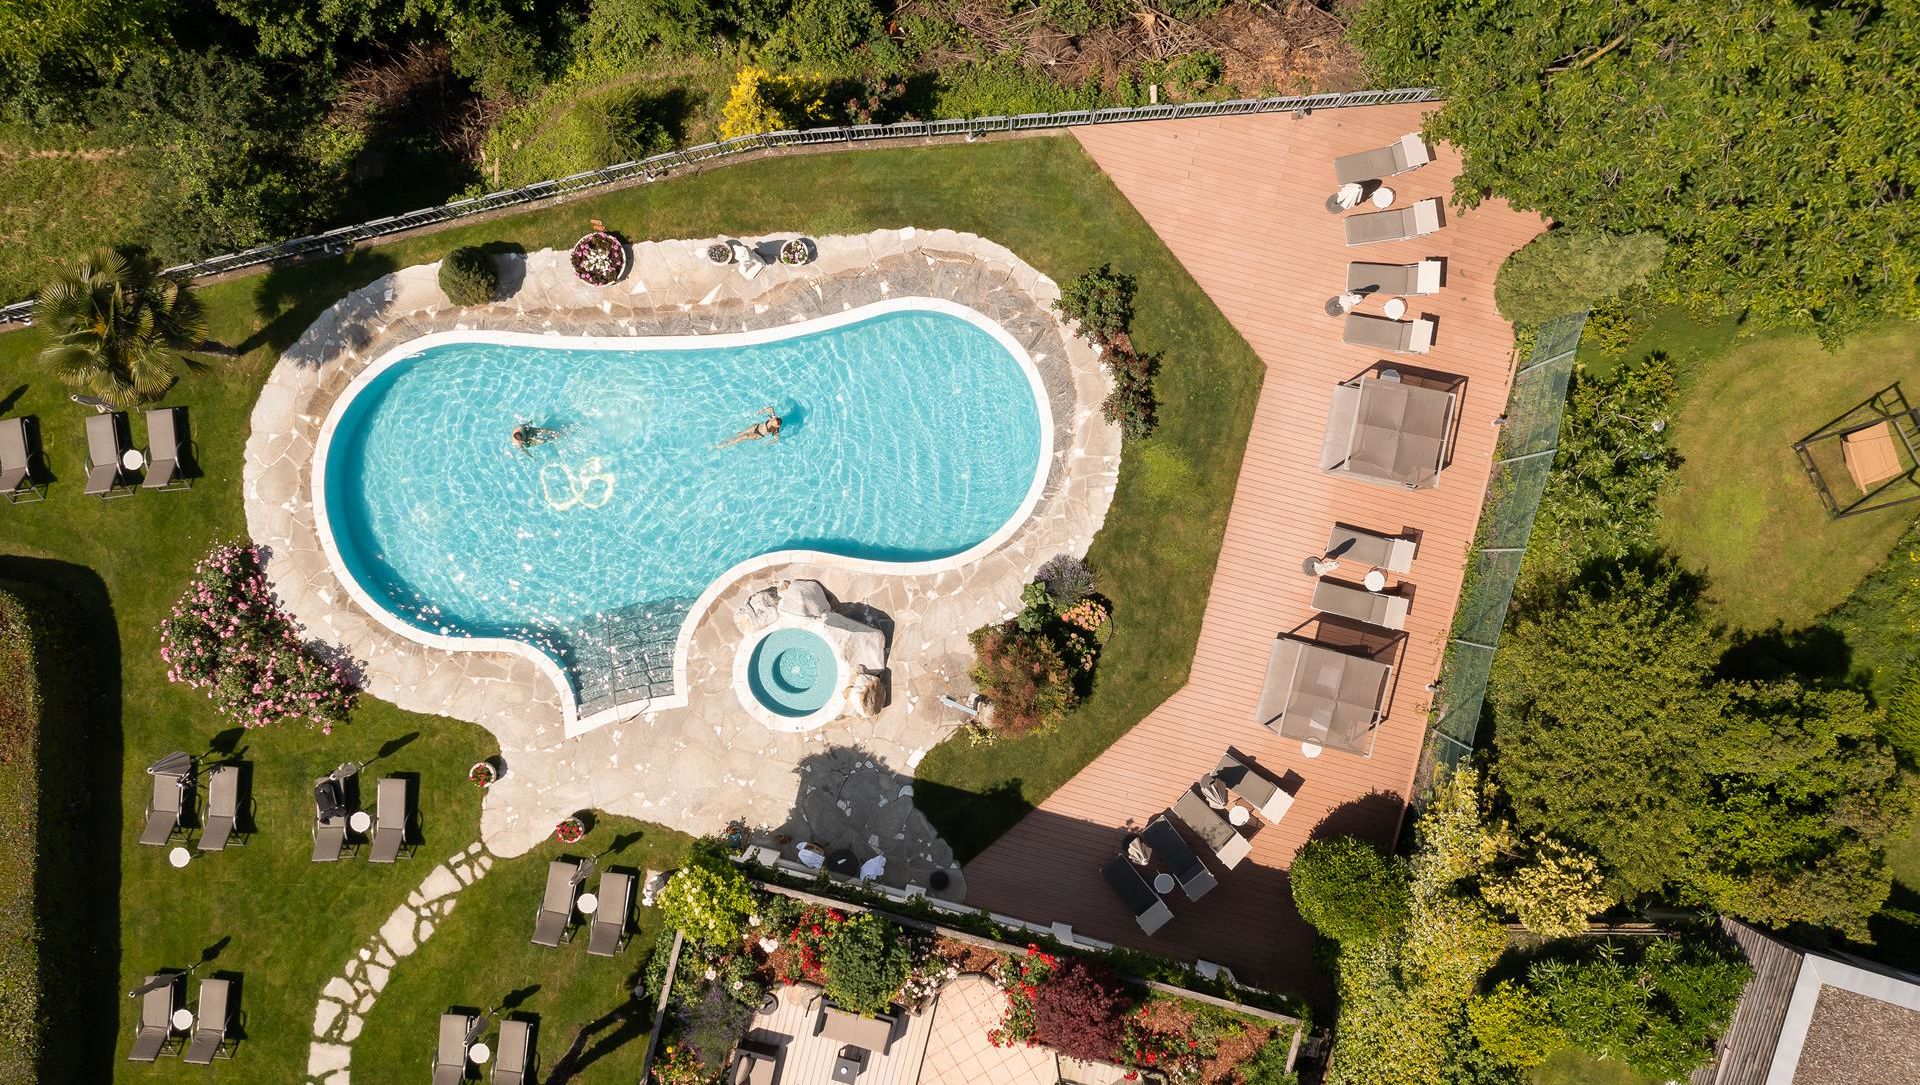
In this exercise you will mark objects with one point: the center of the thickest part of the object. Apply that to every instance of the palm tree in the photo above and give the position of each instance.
(118, 328)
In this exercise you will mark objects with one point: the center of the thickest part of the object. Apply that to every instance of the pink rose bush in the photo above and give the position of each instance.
(228, 636)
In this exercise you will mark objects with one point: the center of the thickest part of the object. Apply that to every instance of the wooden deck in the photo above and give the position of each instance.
(806, 1059)
(1240, 201)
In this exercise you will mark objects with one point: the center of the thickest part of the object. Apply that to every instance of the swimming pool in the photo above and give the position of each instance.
(912, 440)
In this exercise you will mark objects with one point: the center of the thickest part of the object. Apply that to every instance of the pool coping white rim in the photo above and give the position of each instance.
(767, 717)
(573, 722)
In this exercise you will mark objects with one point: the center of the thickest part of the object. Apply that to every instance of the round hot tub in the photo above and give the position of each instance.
(792, 673)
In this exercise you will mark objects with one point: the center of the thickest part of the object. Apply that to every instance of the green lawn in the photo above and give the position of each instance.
(288, 926)
(1744, 511)
(60, 191)
(1575, 1068)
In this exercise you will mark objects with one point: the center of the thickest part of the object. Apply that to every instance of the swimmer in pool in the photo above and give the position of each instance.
(768, 427)
(526, 435)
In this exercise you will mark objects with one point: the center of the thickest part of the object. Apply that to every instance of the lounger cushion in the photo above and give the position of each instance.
(1207, 824)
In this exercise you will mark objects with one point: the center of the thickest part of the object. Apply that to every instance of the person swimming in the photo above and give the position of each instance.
(767, 427)
(526, 435)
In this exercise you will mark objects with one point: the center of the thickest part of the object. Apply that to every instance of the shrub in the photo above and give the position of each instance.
(1902, 725)
(228, 636)
(20, 721)
(1553, 893)
(762, 102)
(1023, 676)
(1068, 579)
(1348, 890)
(1132, 404)
(867, 963)
(1564, 271)
(1101, 300)
(1003, 87)
(842, 37)
(468, 277)
(714, 1025)
(1036, 608)
(1080, 1010)
(1656, 1007)
(1514, 1025)
(1268, 1066)
(709, 900)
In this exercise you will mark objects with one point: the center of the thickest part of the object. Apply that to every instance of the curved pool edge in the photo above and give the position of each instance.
(572, 721)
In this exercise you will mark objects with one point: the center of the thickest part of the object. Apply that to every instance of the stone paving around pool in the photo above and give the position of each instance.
(847, 784)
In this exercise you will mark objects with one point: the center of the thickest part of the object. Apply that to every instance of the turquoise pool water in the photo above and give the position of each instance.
(792, 672)
(908, 436)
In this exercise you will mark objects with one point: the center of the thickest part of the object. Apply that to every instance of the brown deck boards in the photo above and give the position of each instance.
(1239, 200)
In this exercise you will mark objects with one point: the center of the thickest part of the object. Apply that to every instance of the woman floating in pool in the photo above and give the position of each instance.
(526, 435)
(769, 427)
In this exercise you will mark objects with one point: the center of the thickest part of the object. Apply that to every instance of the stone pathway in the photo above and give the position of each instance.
(345, 1000)
(701, 766)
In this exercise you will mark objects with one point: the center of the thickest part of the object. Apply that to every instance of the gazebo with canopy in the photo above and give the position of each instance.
(1385, 430)
(1319, 694)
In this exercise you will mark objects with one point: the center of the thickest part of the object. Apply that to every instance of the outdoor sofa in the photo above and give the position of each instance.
(1409, 152)
(866, 1033)
(1319, 694)
(1399, 224)
(1389, 432)
(754, 1063)
(1213, 829)
(1148, 909)
(1187, 868)
(1420, 278)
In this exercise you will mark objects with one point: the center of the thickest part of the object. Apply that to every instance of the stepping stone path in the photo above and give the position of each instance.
(345, 1000)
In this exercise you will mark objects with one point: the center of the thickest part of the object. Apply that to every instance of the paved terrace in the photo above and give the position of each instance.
(1240, 201)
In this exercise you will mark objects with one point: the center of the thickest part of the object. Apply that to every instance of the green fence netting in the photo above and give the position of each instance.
(1529, 435)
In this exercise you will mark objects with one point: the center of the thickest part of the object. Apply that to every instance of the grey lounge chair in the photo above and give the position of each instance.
(1420, 278)
(1398, 336)
(1213, 828)
(210, 1022)
(1148, 909)
(223, 808)
(1394, 553)
(754, 1063)
(164, 450)
(1186, 867)
(154, 1034)
(1348, 601)
(1266, 797)
(513, 1055)
(450, 1057)
(1399, 224)
(609, 927)
(553, 923)
(390, 821)
(106, 444)
(164, 809)
(329, 834)
(19, 440)
(1409, 152)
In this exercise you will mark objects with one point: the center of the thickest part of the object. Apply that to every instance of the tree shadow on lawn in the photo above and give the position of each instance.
(76, 889)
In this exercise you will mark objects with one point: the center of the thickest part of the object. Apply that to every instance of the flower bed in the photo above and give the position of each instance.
(600, 258)
(228, 636)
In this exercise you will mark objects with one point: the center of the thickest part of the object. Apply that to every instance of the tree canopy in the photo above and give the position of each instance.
(1770, 141)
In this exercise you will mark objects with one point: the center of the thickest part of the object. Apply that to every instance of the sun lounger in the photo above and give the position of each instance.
(1399, 224)
(754, 1063)
(609, 928)
(106, 444)
(1398, 336)
(450, 1057)
(553, 923)
(1148, 909)
(390, 821)
(1373, 607)
(866, 1033)
(164, 810)
(1409, 152)
(223, 808)
(164, 449)
(1265, 796)
(18, 443)
(329, 831)
(1186, 867)
(1213, 828)
(1420, 278)
(210, 1021)
(513, 1054)
(154, 1033)
(1394, 553)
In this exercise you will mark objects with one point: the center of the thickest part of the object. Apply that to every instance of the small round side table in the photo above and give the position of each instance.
(479, 1053)
(132, 460)
(359, 821)
(1374, 580)
(1237, 816)
(588, 904)
(182, 1019)
(1310, 749)
(1383, 197)
(1163, 882)
(179, 857)
(1395, 308)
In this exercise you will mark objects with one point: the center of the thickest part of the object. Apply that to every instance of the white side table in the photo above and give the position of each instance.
(179, 857)
(182, 1019)
(1395, 308)
(359, 821)
(1237, 816)
(1383, 197)
(1310, 749)
(1163, 883)
(1374, 580)
(132, 460)
(588, 904)
(479, 1053)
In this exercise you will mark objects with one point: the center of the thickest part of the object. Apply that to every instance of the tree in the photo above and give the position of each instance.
(1564, 271)
(1349, 890)
(1080, 1011)
(866, 963)
(1771, 146)
(118, 328)
(1101, 300)
(1552, 892)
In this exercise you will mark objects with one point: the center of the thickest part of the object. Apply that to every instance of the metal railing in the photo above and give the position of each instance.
(338, 241)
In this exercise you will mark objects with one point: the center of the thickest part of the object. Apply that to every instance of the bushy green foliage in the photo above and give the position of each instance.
(299, 28)
(1349, 891)
(708, 899)
(1132, 404)
(501, 55)
(591, 129)
(1003, 87)
(1268, 1066)
(1768, 149)
(866, 962)
(20, 723)
(1566, 270)
(1552, 892)
(1101, 300)
(1772, 802)
(1514, 1025)
(468, 277)
(117, 328)
(1902, 726)
(834, 37)
(1023, 676)
(1080, 16)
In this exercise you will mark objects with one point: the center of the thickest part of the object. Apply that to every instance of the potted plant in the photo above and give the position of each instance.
(720, 252)
(570, 830)
(600, 258)
(796, 251)
(484, 774)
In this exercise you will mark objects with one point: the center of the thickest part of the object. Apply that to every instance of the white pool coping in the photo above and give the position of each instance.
(574, 723)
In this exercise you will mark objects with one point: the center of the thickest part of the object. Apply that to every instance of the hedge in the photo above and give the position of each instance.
(20, 705)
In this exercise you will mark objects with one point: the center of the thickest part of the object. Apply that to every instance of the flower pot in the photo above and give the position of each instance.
(720, 253)
(796, 252)
(495, 769)
(599, 259)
